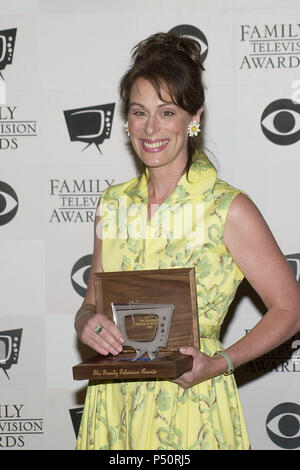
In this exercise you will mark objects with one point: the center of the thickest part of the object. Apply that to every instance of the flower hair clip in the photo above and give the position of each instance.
(126, 128)
(194, 128)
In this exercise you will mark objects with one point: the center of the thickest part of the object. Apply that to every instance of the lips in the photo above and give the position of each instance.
(154, 145)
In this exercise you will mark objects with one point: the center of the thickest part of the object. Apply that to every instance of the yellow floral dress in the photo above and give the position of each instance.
(185, 231)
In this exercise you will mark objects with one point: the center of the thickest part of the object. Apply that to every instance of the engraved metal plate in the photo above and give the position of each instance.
(145, 327)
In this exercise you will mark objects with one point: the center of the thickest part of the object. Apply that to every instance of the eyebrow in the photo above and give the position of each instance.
(166, 103)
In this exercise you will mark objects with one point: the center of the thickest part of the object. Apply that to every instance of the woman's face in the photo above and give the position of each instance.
(157, 126)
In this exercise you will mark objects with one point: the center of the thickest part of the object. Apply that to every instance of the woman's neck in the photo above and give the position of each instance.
(162, 181)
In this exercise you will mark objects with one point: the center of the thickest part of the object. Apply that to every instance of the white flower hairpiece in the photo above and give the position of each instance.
(194, 128)
(126, 128)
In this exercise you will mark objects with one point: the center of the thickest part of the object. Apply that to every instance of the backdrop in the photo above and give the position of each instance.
(62, 144)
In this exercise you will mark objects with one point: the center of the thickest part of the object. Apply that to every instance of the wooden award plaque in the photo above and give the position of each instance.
(159, 287)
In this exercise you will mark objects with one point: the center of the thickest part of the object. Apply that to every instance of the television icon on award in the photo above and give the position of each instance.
(91, 125)
(145, 327)
(9, 348)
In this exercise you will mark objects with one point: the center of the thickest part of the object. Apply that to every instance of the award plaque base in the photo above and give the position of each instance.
(164, 366)
(156, 311)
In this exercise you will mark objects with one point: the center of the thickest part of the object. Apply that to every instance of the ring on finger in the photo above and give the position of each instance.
(98, 329)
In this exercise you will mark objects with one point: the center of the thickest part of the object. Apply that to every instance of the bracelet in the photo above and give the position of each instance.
(229, 362)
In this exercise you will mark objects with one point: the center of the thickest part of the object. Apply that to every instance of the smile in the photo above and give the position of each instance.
(154, 145)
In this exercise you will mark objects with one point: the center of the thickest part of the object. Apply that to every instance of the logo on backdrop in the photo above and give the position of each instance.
(91, 125)
(14, 427)
(280, 122)
(76, 414)
(194, 33)
(76, 200)
(11, 127)
(294, 262)
(286, 357)
(283, 425)
(80, 274)
(7, 46)
(8, 203)
(275, 46)
(10, 342)
(11, 130)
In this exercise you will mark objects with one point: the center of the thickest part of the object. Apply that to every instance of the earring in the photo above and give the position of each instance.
(194, 129)
(126, 128)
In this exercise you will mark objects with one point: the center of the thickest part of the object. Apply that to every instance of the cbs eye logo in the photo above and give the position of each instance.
(283, 425)
(194, 33)
(80, 274)
(8, 203)
(280, 122)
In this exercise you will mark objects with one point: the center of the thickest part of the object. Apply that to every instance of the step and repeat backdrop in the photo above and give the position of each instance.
(62, 143)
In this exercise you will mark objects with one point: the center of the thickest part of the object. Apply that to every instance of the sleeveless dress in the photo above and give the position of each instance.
(160, 415)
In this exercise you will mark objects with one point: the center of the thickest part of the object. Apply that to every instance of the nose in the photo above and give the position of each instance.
(151, 125)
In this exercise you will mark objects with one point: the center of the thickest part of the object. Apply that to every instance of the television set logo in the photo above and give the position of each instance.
(10, 342)
(80, 274)
(280, 122)
(195, 33)
(7, 45)
(76, 414)
(294, 262)
(283, 425)
(91, 125)
(8, 203)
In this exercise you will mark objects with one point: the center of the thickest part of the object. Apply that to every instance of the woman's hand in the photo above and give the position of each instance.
(109, 340)
(204, 367)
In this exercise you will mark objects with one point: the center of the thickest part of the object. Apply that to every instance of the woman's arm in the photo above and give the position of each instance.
(253, 248)
(86, 320)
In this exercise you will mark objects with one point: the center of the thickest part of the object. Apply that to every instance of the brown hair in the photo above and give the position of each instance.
(171, 60)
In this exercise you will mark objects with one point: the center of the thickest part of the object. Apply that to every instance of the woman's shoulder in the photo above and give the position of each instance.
(222, 186)
(225, 193)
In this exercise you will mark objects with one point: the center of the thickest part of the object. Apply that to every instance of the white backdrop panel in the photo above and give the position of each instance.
(70, 55)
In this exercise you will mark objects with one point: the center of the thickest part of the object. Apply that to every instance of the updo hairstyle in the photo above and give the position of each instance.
(167, 59)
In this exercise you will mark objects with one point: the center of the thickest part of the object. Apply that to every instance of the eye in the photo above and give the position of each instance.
(280, 122)
(80, 274)
(168, 113)
(138, 113)
(8, 203)
(283, 425)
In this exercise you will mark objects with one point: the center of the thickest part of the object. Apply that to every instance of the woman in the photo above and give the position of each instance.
(163, 101)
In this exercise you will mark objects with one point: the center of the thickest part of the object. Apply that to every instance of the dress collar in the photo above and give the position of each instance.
(200, 179)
